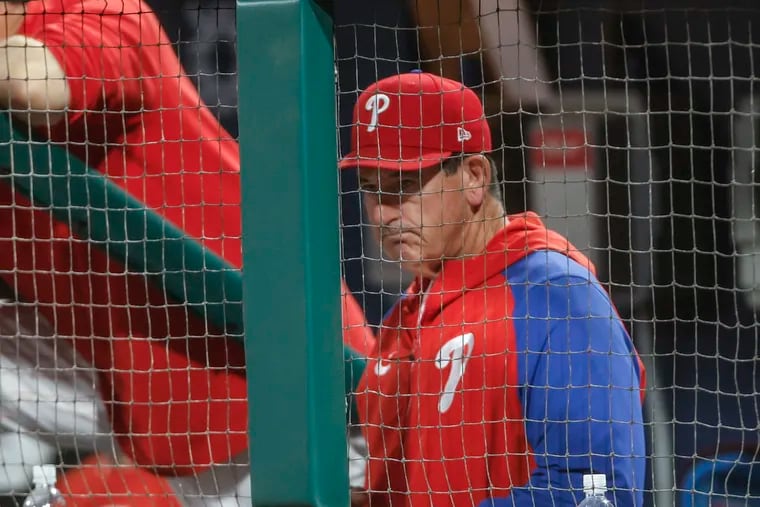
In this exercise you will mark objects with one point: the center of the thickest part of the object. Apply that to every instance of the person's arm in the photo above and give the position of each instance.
(85, 62)
(32, 81)
(580, 395)
(356, 332)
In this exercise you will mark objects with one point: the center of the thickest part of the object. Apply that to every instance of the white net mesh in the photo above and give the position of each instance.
(631, 130)
(119, 367)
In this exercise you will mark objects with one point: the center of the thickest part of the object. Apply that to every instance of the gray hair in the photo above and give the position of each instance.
(451, 164)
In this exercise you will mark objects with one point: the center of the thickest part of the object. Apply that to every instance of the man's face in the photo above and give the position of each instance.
(418, 216)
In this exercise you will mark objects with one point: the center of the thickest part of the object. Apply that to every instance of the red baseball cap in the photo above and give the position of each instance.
(415, 120)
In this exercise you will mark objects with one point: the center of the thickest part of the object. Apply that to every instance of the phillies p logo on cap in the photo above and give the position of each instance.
(415, 120)
(377, 104)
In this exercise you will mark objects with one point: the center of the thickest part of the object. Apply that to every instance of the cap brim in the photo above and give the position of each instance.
(372, 159)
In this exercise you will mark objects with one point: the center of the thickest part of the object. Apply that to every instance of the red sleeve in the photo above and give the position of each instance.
(100, 51)
(356, 332)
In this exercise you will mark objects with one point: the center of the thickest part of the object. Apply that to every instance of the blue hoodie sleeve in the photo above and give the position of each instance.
(580, 388)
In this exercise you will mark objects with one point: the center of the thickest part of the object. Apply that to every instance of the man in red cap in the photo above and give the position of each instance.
(503, 375)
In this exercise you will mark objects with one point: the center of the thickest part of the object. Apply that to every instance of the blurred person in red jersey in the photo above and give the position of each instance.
(102, 79)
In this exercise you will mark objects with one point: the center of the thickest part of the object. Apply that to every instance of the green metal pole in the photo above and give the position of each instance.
(291, 254)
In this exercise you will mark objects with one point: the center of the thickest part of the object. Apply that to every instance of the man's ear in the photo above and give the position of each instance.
(476, 177)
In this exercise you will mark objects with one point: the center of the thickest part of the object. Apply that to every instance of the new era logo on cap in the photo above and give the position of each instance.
(415, 120)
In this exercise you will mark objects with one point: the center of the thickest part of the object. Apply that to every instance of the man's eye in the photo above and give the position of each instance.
(409, 185)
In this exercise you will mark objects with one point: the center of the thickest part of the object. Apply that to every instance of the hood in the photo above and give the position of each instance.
(524, 234)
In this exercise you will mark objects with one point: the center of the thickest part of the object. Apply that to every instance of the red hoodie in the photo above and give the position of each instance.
(452, 408)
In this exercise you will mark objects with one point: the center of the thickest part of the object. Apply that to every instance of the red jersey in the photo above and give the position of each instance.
(176, 390)
(502, 381)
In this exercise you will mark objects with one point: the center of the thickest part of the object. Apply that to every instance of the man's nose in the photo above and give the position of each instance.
(383, 209)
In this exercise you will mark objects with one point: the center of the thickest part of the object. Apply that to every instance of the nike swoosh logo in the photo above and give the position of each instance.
(381, 367)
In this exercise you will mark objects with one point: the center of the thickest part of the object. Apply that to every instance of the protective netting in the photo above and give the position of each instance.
(629, 128)
(121, 357)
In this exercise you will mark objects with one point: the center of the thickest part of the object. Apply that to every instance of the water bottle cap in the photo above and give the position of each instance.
(595, 484)
(44, 474)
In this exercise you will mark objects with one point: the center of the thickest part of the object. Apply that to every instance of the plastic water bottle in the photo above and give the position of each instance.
(44, 494)
(595, 487)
